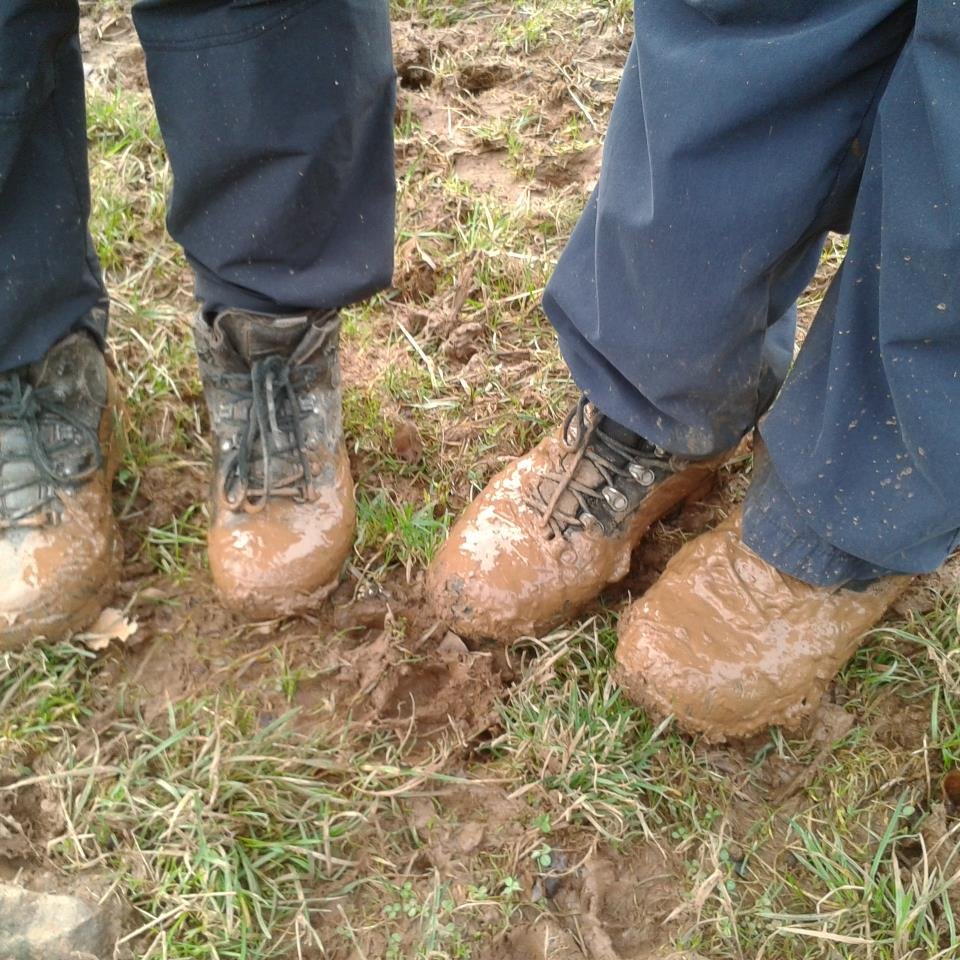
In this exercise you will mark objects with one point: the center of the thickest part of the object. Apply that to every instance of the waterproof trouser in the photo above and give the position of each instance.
(742, 132)
(277, 117)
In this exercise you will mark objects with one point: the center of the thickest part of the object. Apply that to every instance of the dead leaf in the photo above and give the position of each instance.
(464, 342)
(111, 625)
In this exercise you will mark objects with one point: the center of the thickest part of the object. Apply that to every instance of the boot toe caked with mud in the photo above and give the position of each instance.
(729, 645)
(60, 549)
(283, 514)
(555, 527)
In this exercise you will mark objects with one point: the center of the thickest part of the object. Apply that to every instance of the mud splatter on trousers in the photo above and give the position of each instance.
(278, 120)
(743, 132)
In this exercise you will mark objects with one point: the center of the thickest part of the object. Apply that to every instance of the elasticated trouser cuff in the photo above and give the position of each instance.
(774, 528)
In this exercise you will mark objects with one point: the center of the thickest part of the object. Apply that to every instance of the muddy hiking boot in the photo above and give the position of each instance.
(556, 526)
(60, 549)
(729, 645)
(282, 511)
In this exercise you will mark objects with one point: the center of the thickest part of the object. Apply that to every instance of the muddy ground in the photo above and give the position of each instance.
(506, 803)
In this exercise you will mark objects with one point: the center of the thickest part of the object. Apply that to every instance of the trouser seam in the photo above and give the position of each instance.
(92, 267)
(229, 39)
(813, 229)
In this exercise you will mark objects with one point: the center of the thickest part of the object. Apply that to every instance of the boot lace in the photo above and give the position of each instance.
(605, 502)
(62, 450)
(269, 458)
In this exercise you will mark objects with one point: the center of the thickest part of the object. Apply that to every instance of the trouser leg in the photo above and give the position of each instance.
(864, 440)
(735, 143)
(49, 276)
(278, 120)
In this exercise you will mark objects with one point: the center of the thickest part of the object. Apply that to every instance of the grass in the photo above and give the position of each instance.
(233, 821)
(569, 724)
(399, 533)
(277, 812)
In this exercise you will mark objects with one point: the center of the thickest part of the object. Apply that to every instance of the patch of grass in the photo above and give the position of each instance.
(42, 696)
(398, 532)
(175, 549)
(857, 896)
(569, 726)
(225, 830)
(126, 150)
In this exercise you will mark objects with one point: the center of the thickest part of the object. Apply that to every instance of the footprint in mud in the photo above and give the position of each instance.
(477, 78)
(428, 685)
(611, 908)
(452, 686)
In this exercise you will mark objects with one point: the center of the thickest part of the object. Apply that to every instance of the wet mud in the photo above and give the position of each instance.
(609, 907)
(729, 645)
(55, 579)
(500, 575)
(286, 558)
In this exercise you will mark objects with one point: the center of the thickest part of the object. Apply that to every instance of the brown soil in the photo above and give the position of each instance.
(610, 907)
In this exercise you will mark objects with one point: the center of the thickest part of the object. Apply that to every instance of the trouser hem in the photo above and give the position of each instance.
(776, 529)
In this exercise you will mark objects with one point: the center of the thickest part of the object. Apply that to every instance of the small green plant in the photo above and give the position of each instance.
(543, 857)
(511, 886)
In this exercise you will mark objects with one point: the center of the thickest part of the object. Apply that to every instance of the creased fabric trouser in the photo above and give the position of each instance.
(278, 120)
(742, 131)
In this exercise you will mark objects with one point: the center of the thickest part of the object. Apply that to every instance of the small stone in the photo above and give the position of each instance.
(406, 443)
(43, 926)
(452, 647)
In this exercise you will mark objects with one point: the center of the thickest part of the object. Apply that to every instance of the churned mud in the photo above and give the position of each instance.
(608, 907)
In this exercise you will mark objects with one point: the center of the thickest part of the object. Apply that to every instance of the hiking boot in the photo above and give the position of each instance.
(282, 513)
(60, 549)
(729, 645)
(555, 527)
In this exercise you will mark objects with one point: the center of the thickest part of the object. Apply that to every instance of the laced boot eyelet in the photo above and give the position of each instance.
(615, 499)
(591, 522)
(643, 475)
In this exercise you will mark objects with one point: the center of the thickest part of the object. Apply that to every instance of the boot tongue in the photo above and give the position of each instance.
(75, 373)
(72, 377)
(586, 472)
(255, 336)
(627, 437)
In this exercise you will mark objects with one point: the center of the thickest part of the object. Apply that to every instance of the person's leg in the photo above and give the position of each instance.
(864, 440)
(60, 547)
(735, 142)
(278, 119)
(49, 276)
(750, 622)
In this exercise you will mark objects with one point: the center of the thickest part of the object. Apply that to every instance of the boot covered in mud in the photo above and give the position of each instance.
(60, 549)
(555, 527)
(283, 516)
(729, 645)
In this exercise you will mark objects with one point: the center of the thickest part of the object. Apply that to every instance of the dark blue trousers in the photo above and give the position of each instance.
(278, 120)
(742, 132)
